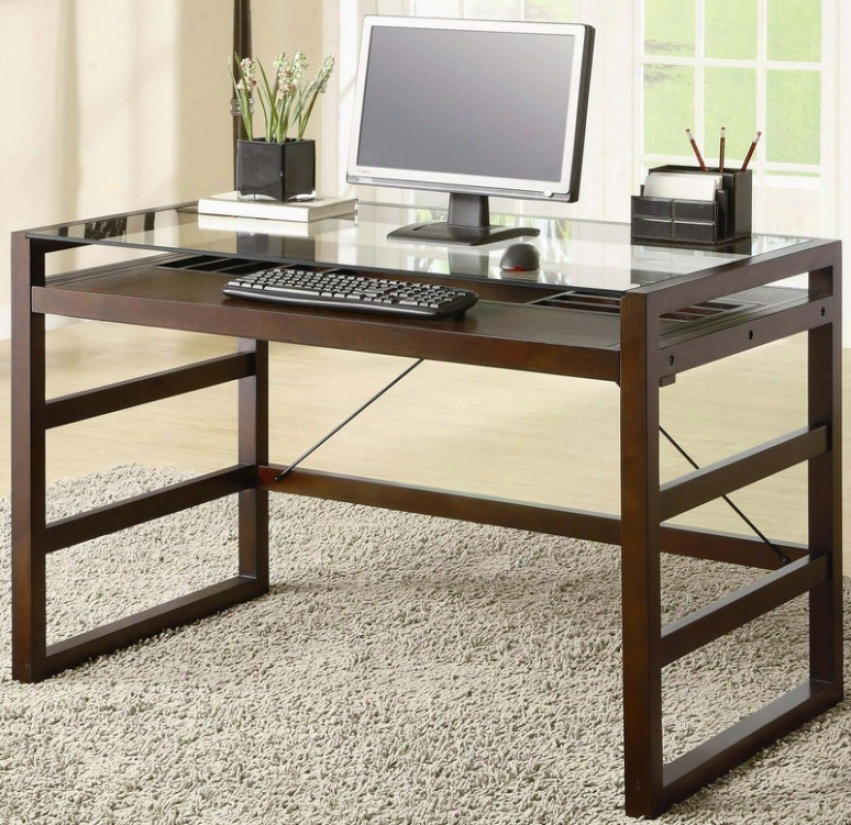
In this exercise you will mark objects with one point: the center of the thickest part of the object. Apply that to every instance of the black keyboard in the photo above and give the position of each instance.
(338, 289)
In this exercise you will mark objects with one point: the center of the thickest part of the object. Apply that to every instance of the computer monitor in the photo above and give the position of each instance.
(473, 108)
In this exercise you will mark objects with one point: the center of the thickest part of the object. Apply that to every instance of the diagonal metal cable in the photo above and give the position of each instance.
(348, 420)
(783, 557)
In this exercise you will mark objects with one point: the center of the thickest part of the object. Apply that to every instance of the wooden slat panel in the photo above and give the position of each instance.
(147, 506)
(754, 330)
(744, 605)
(708, 483)
(156, 387)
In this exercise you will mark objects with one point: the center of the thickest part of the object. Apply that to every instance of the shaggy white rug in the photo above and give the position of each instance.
(401, 670)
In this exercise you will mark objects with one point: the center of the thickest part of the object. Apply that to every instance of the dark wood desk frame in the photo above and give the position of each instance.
(631, 349)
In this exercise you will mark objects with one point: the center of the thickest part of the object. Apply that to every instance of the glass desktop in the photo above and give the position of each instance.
(574, 253)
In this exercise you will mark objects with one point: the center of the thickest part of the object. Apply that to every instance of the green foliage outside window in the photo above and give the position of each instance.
(792, 119)
(731, 29)
(794, 30)
(669, 27)
(729, 101)
(668, 108)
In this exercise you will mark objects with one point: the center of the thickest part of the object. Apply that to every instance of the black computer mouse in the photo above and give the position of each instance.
(520, 257)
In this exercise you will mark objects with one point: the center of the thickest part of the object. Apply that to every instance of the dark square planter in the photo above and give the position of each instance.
(277, 170)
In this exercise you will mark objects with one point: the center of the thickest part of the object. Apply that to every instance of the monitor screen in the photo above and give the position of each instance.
(474, 108)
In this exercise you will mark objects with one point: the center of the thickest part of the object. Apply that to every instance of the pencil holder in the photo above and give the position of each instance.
(670, 220)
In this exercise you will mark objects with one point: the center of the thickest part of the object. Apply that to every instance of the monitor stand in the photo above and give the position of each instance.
(468, 224)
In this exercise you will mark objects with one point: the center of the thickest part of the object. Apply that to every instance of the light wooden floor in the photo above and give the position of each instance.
(516, 435)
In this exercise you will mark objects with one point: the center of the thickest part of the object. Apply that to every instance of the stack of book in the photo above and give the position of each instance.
(232, 204)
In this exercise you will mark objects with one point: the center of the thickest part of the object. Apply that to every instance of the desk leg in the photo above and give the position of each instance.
(825, 489)
(640, 559)
(29, 617)
(254, 450)
(652, 786)
(33, 538)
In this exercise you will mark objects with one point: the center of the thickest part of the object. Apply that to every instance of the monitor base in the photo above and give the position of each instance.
(446, 233)
(468, 224)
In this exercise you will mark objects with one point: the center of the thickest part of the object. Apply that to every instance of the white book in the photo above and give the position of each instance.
(234, 204)
(257, 226)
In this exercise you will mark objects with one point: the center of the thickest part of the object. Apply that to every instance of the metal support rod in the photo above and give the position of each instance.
(782, 556)
(349, 419)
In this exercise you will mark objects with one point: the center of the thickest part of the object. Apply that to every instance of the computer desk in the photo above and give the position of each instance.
(600, 308)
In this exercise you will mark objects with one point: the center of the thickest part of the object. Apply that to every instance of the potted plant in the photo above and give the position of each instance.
(282, 163)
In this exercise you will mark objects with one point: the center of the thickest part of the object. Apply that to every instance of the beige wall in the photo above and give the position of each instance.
(110, 105)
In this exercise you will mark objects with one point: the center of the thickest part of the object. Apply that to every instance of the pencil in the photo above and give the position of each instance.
(721, 150)
(750, 152)
(696, 150)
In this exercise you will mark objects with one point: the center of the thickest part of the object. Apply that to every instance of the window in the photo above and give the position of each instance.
(746, 65)
(554, 11)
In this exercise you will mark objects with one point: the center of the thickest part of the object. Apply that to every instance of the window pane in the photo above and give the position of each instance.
(794, 30)
(669, 27)
(793, 114)
(493, 9)
(730, 101)
(552, 11)
(668, 109)
(436, 8)
(731, 29)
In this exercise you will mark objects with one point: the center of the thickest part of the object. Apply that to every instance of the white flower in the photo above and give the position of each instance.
(287, 103)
